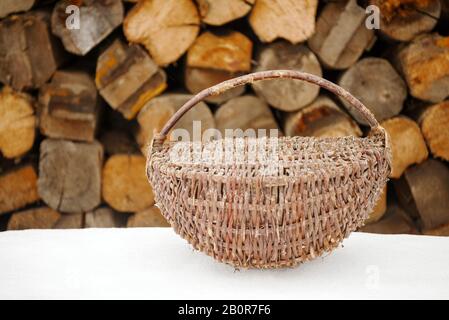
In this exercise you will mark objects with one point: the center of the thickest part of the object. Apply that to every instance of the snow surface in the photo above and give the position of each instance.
(155, 263)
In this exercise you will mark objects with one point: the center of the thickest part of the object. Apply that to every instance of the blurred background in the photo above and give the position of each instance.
(86, 83)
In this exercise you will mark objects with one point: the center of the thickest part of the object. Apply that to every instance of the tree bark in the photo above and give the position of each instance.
(127, 78)
(29, 54)
(69, 107)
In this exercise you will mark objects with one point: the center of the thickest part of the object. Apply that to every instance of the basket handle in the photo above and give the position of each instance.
(266, 75)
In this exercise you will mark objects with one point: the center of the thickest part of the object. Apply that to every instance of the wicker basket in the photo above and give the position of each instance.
(266, 214)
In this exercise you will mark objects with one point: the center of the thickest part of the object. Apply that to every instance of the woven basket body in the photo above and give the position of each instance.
(272, 212)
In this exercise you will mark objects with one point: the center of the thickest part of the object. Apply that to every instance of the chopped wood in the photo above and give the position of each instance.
(425, 66)
(403, 20)
(215, 58)
(407, 144)
(198, 79)
(377, 85)
(150, 217)
(116, 141)
(38, 218)
(435, 128)
(442, 231)
(29, 54)
(290, 20)
(393, 222)
(97, 19)
(17, 123)
(286, 94)
(157, 111)
(70, 175)
(229, 52)
(105, 218)
(70, 221)
(125, 187)
(18, 188)
(167, 28)
(127, 78)
(423, 192)
(13, 6)
(379, 209)
(69, 107)
(219, 12)
(322, 118)
(341, 36)
(245, 112)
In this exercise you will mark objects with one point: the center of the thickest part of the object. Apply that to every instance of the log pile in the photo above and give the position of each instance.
(86, 84)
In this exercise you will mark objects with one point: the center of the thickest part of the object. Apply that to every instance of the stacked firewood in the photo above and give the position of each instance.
(87, 83)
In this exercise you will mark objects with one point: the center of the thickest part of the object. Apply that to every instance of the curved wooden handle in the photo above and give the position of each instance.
(266, 75)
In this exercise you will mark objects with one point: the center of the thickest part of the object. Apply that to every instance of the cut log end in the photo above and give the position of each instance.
(125, 187)
(220, 12)
(407, 144)
(434, 124)
(39, 218)
(286, 94)
(151, 217)
(166, 36)
(17, 123)
(322, 118)
(377, 85)
(290, 20)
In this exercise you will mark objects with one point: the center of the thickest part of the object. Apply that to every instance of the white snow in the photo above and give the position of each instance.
(155, 263)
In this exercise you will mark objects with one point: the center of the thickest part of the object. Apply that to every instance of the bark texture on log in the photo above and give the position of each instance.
(403, 20)
(69, 107)
(407, 144)
(219, 12)
(286, 94)
(423, 191)
(127, 78)
(97, 19)
(150, 217)
(435, 128)
(39, 218)
(288, 19)
(125, 187)
(322, 118)
(341, 36)
(377, 85)
(18, 188)
(167, 28)
(29, 54)
(17, 123)
(425, 66)
(70, 175)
